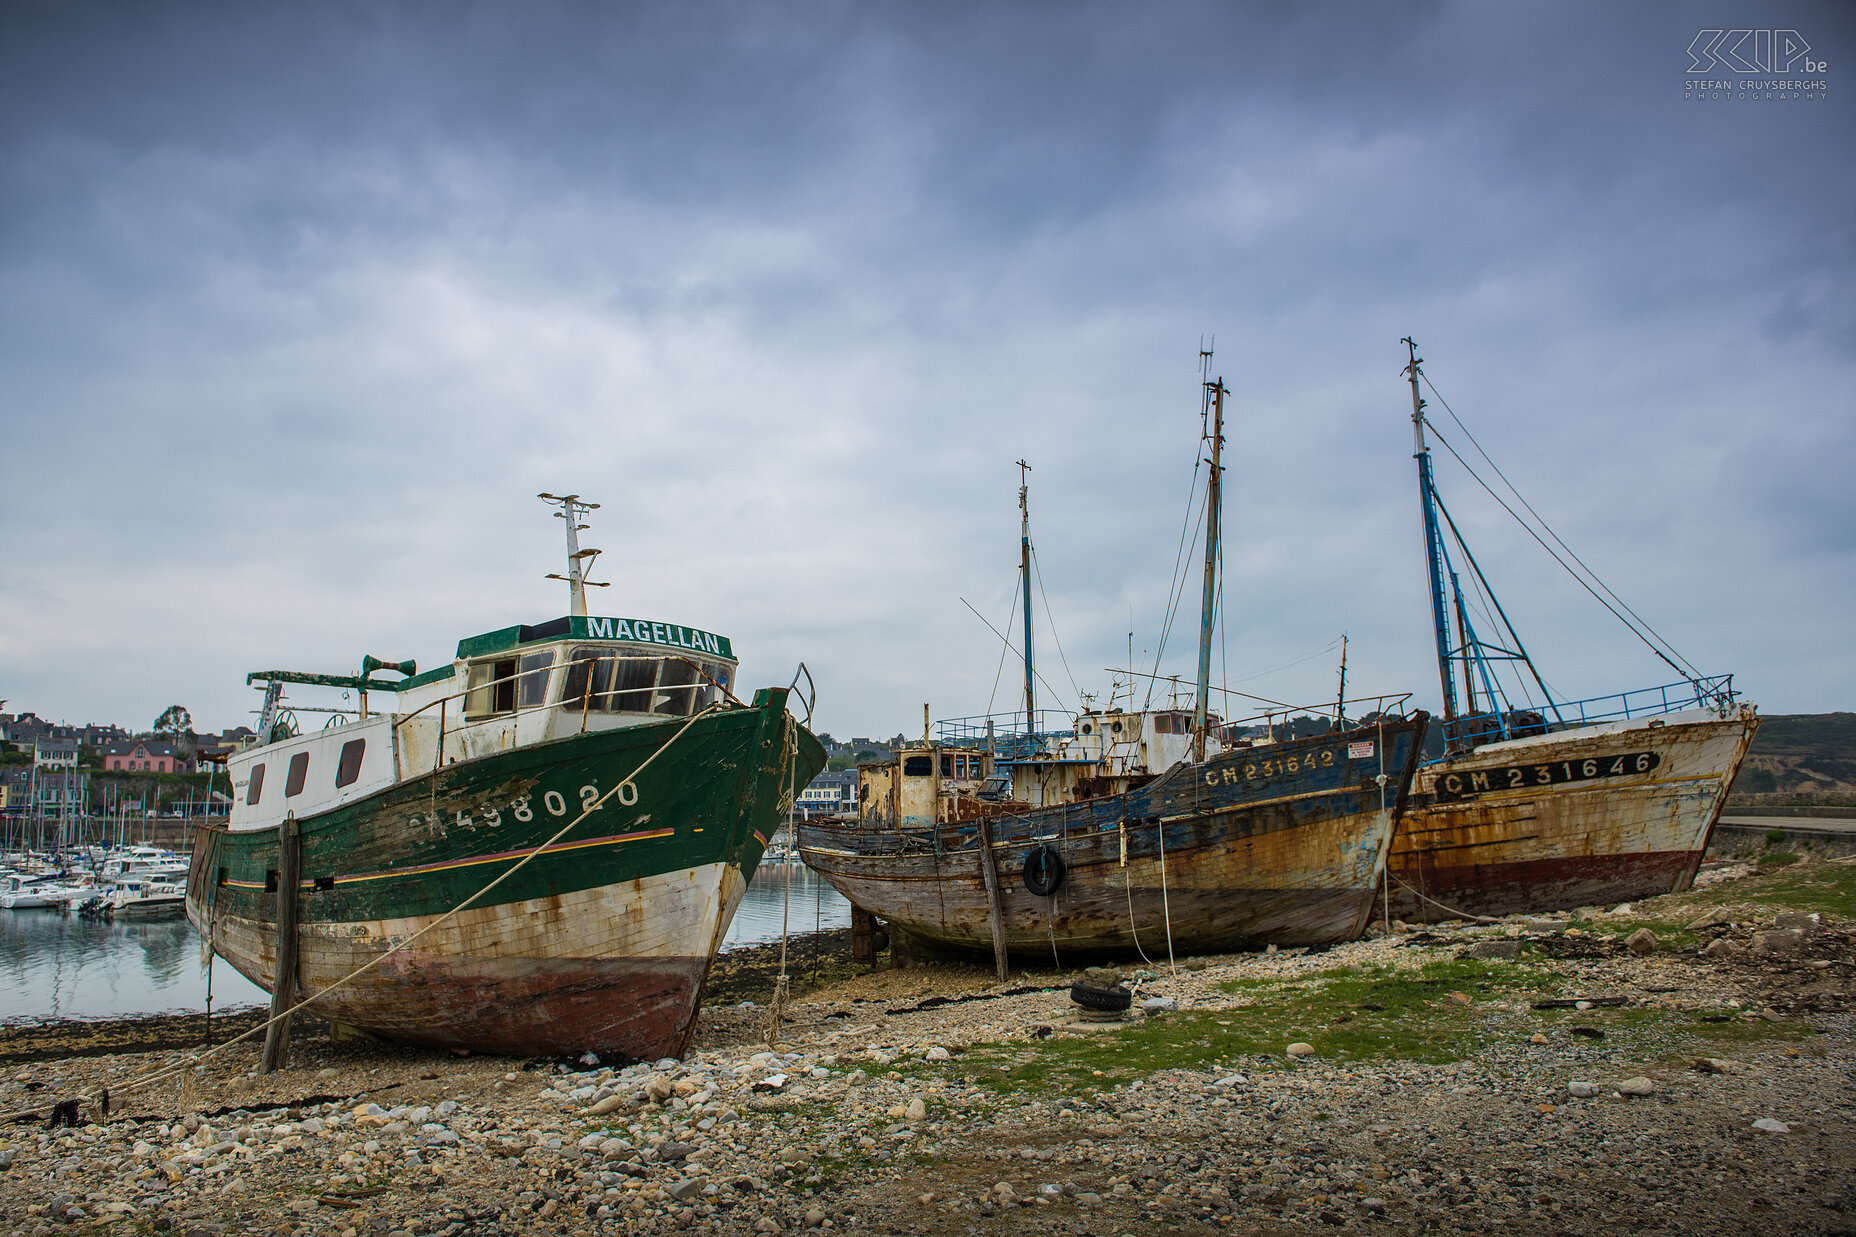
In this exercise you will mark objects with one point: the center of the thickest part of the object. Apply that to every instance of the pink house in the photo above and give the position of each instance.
(145, 756)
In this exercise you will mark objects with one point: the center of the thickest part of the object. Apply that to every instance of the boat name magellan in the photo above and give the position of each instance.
(1473, 782)
(647, 632)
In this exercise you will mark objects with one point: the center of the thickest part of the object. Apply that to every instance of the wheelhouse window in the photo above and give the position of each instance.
(918, 766)
(532, 683)
(349, 768)
(490, 687)
(608, 680)
(619, 681)
(255, 791)
(298, 774)
(676, 688)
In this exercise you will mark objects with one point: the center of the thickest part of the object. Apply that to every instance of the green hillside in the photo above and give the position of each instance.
(1800, 757)
(1807, 734)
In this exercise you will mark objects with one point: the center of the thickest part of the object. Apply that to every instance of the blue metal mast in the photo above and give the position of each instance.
(1024, 567)
(1433, 536)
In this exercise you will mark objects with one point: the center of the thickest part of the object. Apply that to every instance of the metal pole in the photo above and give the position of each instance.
(1208, 608)
(1024, 571)
(1433, 536)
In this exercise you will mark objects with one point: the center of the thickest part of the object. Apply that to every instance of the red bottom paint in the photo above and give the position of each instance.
(639, 1008)
(1526, 886)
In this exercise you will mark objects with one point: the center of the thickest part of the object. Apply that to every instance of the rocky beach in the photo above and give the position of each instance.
(1681, 1065)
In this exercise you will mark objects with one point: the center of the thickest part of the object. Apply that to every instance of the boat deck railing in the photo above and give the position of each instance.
(1012, 739)
(1713, 692)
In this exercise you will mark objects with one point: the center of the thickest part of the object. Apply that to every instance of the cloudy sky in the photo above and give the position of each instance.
(300, 306)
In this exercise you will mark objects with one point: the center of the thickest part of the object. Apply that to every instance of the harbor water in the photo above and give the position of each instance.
(54, 965)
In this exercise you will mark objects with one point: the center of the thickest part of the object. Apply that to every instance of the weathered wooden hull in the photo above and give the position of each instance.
(1277, 845)
(1566, 819)
(599, 943)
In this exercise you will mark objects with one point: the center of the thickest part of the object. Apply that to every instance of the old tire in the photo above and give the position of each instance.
(1044, 871)
(1114, 1000)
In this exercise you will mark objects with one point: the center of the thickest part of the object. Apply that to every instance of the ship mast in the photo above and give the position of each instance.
(1208, 608)
(1433, 535)
(1024, 570)
(571, 509)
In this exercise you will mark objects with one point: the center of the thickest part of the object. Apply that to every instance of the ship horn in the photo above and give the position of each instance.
(370, 663)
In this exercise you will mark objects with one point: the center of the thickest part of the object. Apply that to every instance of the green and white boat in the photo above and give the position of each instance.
(620, 735)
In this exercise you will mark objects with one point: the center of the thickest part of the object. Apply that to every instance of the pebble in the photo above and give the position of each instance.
(1641, 942)
(1636, 1086)
(1778, 941)
(1770, 1126)
(1299, 1049)
(1582, 1090)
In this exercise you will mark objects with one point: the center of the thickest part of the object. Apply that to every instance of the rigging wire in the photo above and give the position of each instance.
(1690, 673)
(1011, 648)
(1000, 672)
(1051, 620)
(1188, 538)
(1329, 647)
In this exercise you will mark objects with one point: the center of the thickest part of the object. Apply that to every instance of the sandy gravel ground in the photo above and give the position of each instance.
(1555, 1075)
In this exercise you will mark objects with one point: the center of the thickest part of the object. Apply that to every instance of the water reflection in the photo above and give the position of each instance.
(788, 893)
(55, 965)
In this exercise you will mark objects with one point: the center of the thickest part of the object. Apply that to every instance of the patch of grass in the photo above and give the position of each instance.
(1348, 1014)
(1829, 888)
(1777, 859)
(1677, 1035)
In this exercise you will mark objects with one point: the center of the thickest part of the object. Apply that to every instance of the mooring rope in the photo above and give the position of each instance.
(181, 1067)
(1445, 906)
(789, 773)
(1127, 886)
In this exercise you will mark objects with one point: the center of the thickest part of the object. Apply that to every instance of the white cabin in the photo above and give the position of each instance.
(514, 687)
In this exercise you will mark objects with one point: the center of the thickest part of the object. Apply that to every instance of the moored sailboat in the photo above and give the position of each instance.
(1127, 830)
(1549, 804)
(536, 848)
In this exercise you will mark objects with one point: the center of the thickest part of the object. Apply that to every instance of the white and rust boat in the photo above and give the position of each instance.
(1547, 804)
(597, 772)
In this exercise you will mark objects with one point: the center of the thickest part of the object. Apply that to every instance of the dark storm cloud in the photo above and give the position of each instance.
(301, 304)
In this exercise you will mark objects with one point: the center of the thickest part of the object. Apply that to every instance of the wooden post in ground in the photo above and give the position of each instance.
(863, 936)
(283, 984)
(989, 870)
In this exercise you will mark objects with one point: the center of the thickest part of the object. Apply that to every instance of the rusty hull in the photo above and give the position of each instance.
(1565, 844)
(1226, 855)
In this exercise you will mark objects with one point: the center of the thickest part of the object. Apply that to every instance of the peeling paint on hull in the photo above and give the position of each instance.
(600, 943)
(1573, 843)
(1283, 858)
(606, 987)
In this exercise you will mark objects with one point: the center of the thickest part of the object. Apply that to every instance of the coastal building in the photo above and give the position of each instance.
(52, 753)
(830, 792)
(146, 756)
